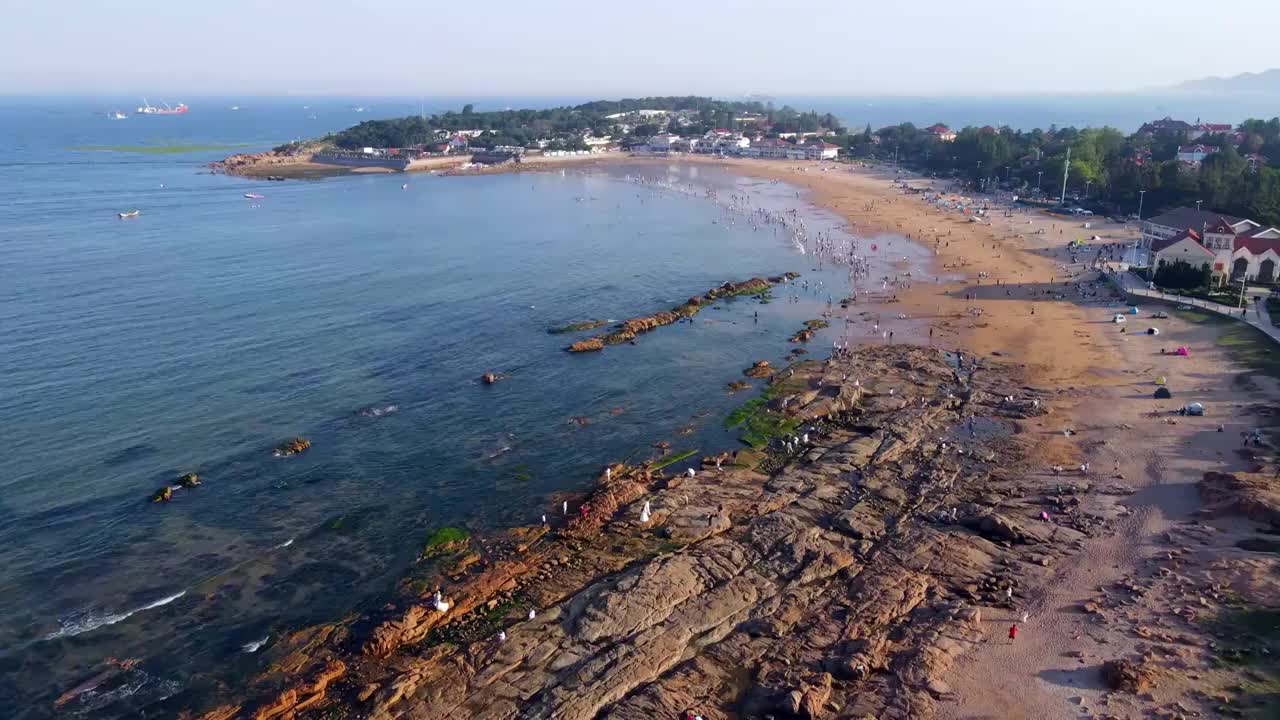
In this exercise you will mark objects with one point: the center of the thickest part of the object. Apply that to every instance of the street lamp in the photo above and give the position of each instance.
(1142, 195)
(1087, 183)
(1198, 205)
(1039, 175)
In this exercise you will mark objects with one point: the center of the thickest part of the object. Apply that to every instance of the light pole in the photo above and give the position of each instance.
(1039, 175)
(1087, 183)
(1142, 195)
(1198, 205)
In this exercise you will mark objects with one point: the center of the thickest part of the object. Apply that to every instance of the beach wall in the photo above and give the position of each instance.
(398, 164)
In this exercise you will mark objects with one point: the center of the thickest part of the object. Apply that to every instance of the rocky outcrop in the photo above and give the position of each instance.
(828, 580)
(759, 369)
(628, 330)
(1128, 676)
(1253, 495)
(189, 480)
(164, 494)
(264, 164)
(491, 378)
(292, 447)
(588, 345)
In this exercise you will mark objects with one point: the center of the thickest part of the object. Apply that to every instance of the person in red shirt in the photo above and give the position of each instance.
(1013, 633)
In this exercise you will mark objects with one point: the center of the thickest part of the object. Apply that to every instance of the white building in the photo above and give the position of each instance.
(1195, 153)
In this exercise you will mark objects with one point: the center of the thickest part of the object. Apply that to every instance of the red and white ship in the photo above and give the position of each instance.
(149, 109)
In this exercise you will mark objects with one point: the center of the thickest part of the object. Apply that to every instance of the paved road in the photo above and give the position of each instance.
(1134, 285)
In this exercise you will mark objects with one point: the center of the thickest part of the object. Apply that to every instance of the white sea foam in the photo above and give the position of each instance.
(81, 624)
(253, 647)
(284, 544)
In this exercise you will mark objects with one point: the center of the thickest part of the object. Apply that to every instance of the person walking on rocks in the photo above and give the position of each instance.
(1013, 633)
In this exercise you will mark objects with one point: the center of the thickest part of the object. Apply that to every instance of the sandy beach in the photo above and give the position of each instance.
(874, 569)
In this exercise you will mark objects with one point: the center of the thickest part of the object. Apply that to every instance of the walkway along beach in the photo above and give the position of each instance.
(913, 503)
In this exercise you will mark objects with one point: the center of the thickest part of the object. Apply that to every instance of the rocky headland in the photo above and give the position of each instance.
(835, 572)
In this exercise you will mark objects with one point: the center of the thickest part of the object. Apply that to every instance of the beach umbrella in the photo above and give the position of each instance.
(1133, 310)
(1162, 393)
(1161, 380)
(1153, 331)
(1183, 351)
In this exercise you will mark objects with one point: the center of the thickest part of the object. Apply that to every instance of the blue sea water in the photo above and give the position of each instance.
(197, 336)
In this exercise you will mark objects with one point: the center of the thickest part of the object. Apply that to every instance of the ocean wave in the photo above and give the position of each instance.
(284, 544)
(377, 411)
(86, 622)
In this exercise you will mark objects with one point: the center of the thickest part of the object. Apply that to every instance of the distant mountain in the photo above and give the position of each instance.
(1266, 82)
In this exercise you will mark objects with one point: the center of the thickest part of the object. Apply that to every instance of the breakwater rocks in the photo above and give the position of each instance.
(837, 572)
(627, 330)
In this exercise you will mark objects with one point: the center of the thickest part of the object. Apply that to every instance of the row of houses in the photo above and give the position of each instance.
(1233, 248)
(1184, 130)
(719, 142)
(1195, 154)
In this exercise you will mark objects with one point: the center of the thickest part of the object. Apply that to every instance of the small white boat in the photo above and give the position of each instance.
(117, 115)
(254, 196)
(129, 214)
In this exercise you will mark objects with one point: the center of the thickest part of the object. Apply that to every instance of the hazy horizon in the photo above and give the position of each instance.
(571, 48)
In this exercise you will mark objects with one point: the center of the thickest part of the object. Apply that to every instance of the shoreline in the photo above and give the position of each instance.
(379, 664)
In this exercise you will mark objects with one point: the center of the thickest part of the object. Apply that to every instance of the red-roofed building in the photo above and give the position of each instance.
(942, 132)
(1183, 247)
(1199, 130)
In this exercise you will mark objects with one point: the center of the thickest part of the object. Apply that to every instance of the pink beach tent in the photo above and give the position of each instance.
(1183, 351)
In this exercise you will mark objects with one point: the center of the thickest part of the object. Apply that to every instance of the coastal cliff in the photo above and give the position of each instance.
(833, 577)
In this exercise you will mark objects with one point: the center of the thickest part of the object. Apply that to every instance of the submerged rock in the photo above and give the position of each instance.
(490, 378)
(739, 385)
(588, 345)
(164, 494)
(189, 480)
(578, 327)
(292, 447)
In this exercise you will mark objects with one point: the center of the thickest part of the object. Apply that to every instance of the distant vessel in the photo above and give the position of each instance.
(254, 196)
(129, 214)
(358, 109)
(149, 109)
(235, 107)
(117, 115)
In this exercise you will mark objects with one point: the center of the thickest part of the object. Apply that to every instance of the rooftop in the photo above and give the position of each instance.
(1185, 218)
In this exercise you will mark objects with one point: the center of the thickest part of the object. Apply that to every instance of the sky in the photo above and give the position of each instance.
(602, 49)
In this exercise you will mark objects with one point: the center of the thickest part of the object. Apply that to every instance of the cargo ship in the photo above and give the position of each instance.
(148, 109)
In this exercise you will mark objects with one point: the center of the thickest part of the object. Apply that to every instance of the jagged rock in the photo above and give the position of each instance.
(759, 369)
(189, 480)
(739, 385)
(490, 378)
(164, 494)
